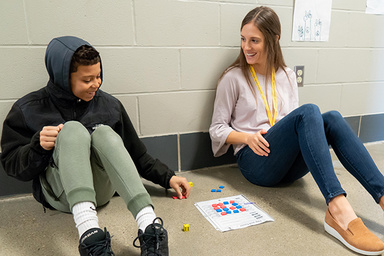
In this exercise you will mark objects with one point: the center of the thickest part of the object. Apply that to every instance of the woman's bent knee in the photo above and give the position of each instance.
(332, 116)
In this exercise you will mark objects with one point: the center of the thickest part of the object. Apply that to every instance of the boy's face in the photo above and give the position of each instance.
(86, 81)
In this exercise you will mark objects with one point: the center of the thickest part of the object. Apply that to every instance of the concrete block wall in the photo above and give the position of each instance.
(162, 59)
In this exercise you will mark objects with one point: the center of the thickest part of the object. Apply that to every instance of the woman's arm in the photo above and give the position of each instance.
(255, 141)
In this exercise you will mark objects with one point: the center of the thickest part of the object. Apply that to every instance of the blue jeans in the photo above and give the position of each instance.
(300, 143)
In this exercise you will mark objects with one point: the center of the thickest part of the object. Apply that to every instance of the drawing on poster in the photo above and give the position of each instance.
(312, 19)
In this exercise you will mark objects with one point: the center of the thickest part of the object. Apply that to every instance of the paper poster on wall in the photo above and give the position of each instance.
(312, 20)
(375, 7)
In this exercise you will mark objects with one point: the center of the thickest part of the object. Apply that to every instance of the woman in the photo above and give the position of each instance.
(275, 141)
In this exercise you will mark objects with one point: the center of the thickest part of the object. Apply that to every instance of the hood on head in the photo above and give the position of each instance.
(58, 58)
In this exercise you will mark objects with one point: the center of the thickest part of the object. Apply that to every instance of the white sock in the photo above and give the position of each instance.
(85, 216)
(145, 217)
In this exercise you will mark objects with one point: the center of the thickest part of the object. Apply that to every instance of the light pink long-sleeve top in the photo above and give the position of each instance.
(237, 109)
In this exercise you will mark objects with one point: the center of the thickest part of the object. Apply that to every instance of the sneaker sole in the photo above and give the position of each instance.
(336, 235)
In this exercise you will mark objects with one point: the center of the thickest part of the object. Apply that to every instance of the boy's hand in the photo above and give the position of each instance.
(48, 136)
(176, 183)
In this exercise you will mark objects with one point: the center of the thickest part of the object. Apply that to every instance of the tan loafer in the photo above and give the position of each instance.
(357, 237)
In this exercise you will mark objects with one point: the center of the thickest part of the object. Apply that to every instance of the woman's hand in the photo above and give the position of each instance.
(178, 183)
(258, 144)
(48, 136)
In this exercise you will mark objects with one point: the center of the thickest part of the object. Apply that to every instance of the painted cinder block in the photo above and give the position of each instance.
(180, 112)
(99, 22)
(326, 97)
(13, 27)
(139, 70)
(175, 23)
(343, 65)
(134, 70)
(362, 99)
(202, 67)
(370, 29)
(130, 104)
(22, 71)
(349, 5)
(231, 16)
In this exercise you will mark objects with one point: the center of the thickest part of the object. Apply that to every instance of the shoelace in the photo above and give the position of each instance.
(99, 247)
(153, 240)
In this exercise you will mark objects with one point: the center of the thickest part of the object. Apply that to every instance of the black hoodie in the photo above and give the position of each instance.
(22, 155)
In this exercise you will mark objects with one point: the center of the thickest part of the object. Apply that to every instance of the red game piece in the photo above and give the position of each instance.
(214, 205)
(174, 197)
(232, 207)
(242, 209)
(232, 201)
(223, 213)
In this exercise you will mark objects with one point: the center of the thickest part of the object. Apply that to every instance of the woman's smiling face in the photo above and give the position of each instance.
(252, 44)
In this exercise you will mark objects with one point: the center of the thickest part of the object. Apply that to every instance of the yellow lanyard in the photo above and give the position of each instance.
(274, 100)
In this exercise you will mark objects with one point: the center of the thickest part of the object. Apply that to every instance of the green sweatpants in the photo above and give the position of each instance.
(90, 168)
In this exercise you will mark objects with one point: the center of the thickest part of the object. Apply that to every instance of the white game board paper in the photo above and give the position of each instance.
(252, 215)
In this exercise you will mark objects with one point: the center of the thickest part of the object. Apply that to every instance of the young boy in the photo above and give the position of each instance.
(78, 145)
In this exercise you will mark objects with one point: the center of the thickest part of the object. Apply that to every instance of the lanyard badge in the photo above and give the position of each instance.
(271, 118)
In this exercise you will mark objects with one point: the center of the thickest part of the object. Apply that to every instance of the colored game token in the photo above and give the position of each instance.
(218, 190)
(223, 213)
(239, 206)
(232, 207)
(232, 201)
(213, 190)
(234, 204)
(226, 209)
(219, 210)
(214, 205)
(236, 211)
(228, 212)
(243, 209)
(226, 202)
(221, 187)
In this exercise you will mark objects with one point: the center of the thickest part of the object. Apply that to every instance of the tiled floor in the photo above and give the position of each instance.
(298, 211)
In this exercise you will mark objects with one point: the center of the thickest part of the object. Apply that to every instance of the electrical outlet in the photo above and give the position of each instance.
(299, 71)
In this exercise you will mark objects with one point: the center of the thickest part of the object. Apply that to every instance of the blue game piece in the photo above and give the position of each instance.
(234, 204)
(226, 209)
(218, 190)
(213, 190)
(219, 210)
(239, 206)
(226, 202)
(221, 187)
(235, 211)
(228, 212)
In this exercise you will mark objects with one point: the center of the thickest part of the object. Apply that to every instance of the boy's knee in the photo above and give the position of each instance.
(74, 129)
(105, 133)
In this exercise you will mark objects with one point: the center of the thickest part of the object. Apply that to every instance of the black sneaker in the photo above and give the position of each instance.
(95, 242)
(154, 241)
